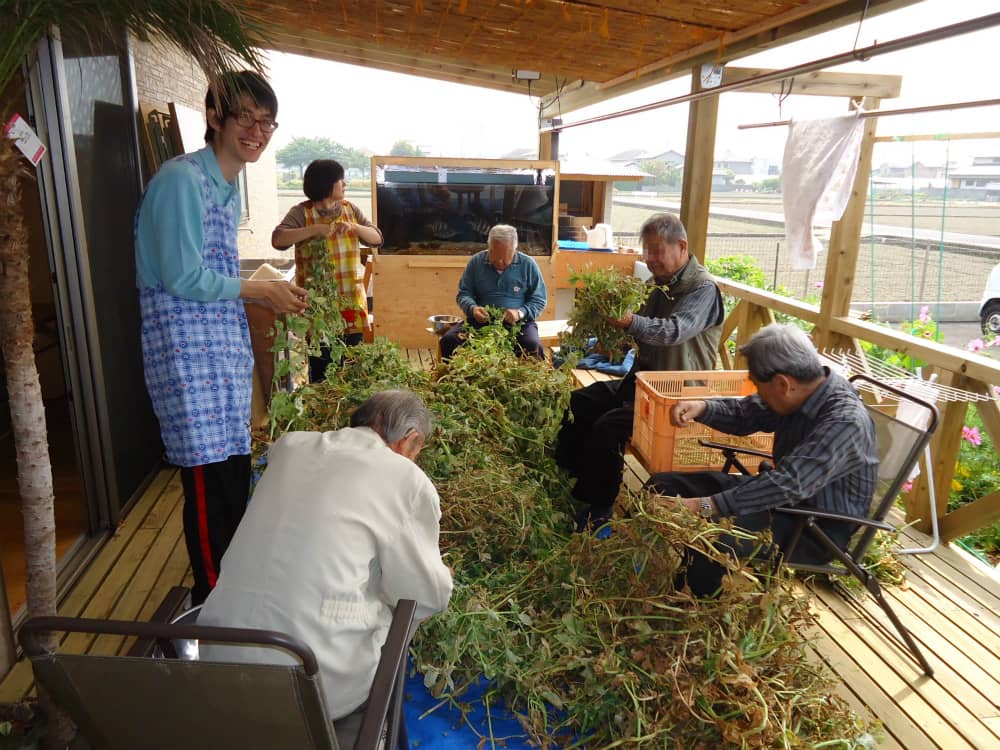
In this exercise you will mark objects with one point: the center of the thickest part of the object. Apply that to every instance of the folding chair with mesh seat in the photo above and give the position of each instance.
(900, 437)
(129, 702)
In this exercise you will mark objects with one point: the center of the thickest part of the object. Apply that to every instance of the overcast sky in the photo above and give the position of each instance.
(372, 109)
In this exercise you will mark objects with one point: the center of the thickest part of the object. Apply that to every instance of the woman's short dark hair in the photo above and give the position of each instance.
(320, 177)
(225, 96)
(783, 349)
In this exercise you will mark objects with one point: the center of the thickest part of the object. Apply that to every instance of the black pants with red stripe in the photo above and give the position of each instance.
(215, 498)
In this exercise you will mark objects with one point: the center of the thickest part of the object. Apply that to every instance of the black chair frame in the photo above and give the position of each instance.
(849, 560)
(385, 702)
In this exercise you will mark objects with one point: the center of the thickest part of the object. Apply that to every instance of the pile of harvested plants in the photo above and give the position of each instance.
(586, 640)
(604, 294)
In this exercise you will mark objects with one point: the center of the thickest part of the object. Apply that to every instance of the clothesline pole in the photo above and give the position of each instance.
(854, 55)
(937, 137)
(891, 112)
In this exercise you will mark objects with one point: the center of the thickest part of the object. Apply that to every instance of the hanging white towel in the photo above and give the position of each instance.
(817, 174)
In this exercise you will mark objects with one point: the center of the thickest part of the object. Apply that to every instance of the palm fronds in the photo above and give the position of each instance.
(220, 34)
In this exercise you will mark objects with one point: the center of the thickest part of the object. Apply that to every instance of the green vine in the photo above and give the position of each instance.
(298, 337)
(605, 294)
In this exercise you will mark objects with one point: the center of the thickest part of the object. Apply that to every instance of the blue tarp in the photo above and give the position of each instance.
(446, 729)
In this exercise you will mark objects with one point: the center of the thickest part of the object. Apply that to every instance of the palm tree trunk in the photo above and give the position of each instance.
(27, 414)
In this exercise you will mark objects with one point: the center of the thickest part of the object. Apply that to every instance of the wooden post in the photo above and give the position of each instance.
(944, 453)
(845, 239)
(699, 160)
(545, 144)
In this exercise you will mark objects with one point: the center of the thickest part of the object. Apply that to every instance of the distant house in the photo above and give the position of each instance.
(747, 171)
(916, 170)
(671, 157)
(736, 166)
(722, 180)
(633, 157)
(981, 181)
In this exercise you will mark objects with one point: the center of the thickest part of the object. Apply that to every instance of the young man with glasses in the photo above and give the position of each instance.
(196, 350)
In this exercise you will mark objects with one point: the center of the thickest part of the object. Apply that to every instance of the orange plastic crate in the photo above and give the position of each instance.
(663, 447)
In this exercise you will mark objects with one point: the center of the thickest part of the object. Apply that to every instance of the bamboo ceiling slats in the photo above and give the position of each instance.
(483, 41)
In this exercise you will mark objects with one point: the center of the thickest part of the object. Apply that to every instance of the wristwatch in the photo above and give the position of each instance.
(705, 507)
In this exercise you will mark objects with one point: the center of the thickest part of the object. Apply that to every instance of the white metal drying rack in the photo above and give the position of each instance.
(849, 363)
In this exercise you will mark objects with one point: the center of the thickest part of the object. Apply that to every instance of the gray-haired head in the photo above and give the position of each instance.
(783, 349)
(666, 226)
(503, 233)
(393, 415)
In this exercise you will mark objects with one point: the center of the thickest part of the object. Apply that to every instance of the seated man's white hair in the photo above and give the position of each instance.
(503, 233)
(393, 414)
(784, 349)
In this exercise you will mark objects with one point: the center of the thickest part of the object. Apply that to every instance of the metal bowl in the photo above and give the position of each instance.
(441, 323)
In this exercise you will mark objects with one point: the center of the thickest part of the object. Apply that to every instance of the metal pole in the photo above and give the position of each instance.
(863, 54)
(890, 112)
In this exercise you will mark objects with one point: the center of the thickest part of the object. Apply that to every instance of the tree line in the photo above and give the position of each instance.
(300, 151)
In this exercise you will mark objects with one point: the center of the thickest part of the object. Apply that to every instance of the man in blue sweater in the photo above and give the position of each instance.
(503, 278)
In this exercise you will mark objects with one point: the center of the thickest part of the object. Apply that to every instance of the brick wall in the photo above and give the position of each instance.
(164, 75)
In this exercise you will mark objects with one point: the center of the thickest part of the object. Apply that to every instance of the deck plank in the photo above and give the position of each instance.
(176, 572)
(949, 603)
(19, 681)
(948, 720)
(139, 584)
(911, 693)
(865, 696)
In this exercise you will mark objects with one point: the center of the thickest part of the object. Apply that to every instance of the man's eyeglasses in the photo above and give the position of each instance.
(247, 120)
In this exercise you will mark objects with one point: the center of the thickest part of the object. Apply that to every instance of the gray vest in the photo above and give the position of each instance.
(698, 353)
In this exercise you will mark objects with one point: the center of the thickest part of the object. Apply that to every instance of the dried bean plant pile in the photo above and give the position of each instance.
(603, 294)
(586, 641)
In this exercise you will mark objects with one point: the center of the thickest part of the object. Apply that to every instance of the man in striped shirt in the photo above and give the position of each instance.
(824, 452)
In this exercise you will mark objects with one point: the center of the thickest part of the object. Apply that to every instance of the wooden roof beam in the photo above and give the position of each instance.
(437, 67)
(579, 94)
(820, 83)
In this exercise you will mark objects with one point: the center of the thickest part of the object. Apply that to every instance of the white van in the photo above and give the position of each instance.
(989, 307)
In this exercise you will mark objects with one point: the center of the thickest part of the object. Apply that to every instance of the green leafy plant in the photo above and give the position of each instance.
(922, 327)
(587, 642)
(605, 295)
(977, 473)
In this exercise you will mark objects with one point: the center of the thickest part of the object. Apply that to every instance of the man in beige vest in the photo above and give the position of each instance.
(675, 331)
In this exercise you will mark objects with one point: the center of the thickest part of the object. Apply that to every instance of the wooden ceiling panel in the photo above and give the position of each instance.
(601, 44)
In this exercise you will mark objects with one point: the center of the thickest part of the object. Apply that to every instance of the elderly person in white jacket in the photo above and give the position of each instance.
(341, 525)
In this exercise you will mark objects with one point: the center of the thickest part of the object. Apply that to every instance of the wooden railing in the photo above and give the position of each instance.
(956, 368)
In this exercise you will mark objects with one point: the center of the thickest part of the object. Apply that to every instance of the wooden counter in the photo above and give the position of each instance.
(410, 288)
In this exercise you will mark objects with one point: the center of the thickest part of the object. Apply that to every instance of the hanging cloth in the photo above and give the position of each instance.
(817, 174)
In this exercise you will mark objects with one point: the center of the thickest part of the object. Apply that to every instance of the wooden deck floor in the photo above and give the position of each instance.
(949, 602)
(128, 577)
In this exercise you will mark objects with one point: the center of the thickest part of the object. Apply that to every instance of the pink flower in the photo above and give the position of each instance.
(925, 314)
(818, 284)
(907, 485)
(972, 435)
(996, 391)
(975, 345)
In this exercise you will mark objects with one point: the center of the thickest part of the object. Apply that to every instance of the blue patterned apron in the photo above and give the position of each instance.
(196, 355)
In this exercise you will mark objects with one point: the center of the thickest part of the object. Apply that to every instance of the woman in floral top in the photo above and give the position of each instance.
(329, 223)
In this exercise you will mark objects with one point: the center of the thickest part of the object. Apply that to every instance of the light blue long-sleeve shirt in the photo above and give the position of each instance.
(169, 235)
(519, 287)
